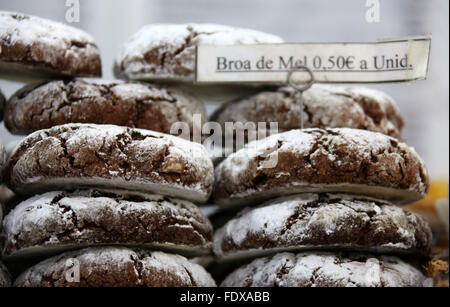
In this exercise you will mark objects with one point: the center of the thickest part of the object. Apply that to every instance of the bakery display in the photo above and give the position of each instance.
(103, 190)
(31, 44)
(332, 197)
(98, 179)
(116, 267)
(96, 101)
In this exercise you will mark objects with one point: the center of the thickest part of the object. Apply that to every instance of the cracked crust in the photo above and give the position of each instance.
(2, 105)
(322, 160)
(167, 51)
(323, 221)
(116, 267)
(326, 270)
(81, 155)
(5, 277)
(96, 101)
(69, 220)
(44, 46)
(324, 107)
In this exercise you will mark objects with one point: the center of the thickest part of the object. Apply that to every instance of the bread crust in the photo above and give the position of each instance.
(84, 155)
(337, 160)
(323, 221)
(69, 220)
(95, 101)
(117, 267)
(64, 51)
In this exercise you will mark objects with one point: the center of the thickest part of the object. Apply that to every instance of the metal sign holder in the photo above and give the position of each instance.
(300, 87)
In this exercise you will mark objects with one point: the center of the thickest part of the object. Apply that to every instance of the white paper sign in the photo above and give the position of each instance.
(384, 61)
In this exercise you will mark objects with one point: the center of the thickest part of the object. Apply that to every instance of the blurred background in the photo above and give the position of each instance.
(424, 104)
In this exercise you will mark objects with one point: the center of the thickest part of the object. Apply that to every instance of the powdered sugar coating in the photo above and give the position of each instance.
(322, 160)
(117, 267)
(76, 155)
(325, 106)
(326, 270)
(47, 45)
(97, 101)
(315, 221)
(167, 51)
(67, 220)
(27, 28)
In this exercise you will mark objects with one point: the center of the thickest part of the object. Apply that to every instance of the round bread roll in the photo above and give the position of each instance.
(324, 107)
(40, 46)
(59, 221)
(337, 160)
(323, 221)
(95, 101)
(326, 270)
(115, 267)
(84, 155)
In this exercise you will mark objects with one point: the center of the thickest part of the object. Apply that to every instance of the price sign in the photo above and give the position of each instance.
(398, 60)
